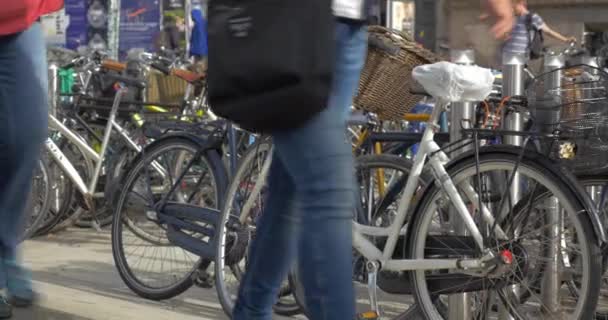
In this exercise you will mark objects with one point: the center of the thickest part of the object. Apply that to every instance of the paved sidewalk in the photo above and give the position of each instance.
(74, 271)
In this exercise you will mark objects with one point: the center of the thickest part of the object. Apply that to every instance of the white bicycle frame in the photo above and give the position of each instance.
(64, 163)
(436, 161)
(88, 191)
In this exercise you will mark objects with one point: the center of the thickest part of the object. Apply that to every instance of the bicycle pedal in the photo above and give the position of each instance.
(369, 315)
(203, 280)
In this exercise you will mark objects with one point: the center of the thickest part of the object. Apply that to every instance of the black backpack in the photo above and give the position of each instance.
(536, 39)
(271, 62)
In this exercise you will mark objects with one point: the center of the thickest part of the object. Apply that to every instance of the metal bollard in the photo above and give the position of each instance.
(513, 84)
(544, 114)
(551, 282)
(459, 304)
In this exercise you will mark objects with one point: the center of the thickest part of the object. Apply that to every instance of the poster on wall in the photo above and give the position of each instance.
(76, 31)
(139, 25)
(174, 4)
(97, 31)
(55, 26)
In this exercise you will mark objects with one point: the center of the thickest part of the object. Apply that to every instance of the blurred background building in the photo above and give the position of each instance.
(587, 20)
(443, 24)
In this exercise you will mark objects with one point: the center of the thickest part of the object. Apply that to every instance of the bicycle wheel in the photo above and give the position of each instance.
(235, 234)
(61, 198)
(146, 260)
(596, 187)
(544, 234)
(85, 168)
(381, 180)
(39, 202)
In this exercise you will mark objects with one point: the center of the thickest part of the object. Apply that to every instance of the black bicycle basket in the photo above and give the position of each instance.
(572, 102)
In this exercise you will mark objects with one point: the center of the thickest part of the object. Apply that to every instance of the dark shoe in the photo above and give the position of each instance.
(23, 302)
(19, 285)
(6, 311)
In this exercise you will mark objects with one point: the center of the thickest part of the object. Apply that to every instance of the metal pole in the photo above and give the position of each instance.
(188, 25)
(513, 76)
(462, 115)
(53, 87)
(114, 28)
(389, 14)
(552, 277)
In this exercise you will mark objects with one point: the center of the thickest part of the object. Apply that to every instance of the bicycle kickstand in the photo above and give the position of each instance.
(372, 288)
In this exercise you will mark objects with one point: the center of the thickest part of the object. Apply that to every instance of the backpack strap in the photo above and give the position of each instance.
(529, 28)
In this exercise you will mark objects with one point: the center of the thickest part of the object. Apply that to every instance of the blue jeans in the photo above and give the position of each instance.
(311, 202)
(23, 128)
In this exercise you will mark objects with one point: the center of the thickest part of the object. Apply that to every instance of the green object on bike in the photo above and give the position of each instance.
(66, 79)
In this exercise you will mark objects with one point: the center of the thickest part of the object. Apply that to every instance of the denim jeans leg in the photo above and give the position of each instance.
(272, 250)
(23, 128)
(319, 158)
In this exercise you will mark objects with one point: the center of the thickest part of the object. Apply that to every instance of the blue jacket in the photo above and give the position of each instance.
(198, 38)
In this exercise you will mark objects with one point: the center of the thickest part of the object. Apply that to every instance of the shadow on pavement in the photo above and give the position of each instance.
(103, 279)
(40, 313)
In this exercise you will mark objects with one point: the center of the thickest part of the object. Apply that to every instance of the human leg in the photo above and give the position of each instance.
(23, 128)
(271, 251)
(319, 160)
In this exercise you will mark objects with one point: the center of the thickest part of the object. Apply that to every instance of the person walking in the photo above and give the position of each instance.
(526, 36)
(308, 215)
(23, 129)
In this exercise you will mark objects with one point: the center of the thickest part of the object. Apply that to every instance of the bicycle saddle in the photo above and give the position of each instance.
(454, 83)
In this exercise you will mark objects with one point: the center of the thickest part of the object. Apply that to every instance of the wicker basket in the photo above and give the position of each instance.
(385, 82)
(165, 89)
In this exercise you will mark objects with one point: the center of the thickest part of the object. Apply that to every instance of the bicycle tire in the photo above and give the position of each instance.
(218, 173)
(600, 180)
(32, 225)
(85, 167)
(531, 167)
(66, 193)
(254, 153)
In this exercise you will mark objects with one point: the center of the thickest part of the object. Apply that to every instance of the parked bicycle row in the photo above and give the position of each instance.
(439, 219)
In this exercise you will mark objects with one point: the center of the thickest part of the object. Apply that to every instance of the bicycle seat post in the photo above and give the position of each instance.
(120, 91)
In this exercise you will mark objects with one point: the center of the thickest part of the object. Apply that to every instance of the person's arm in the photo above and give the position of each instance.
(556, 35)
(502, 12)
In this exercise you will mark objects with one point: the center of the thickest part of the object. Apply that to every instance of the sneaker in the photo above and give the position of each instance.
(6, 311)
(23, 302)
(19, 285)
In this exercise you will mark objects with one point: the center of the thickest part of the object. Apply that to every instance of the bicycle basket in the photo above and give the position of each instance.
(165, 89)
(384, 87)
(573, 102)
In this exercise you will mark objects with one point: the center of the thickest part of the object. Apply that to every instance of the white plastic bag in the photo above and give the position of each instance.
(455, 83)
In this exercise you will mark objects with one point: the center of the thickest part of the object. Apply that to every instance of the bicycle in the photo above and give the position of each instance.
(171, 188)
(486, 260)
(95, 73)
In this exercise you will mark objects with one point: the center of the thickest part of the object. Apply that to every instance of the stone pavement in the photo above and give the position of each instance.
(75, 274)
